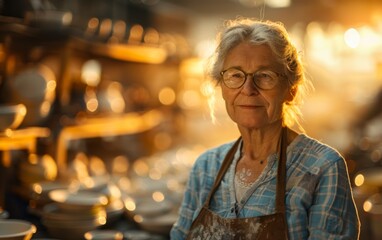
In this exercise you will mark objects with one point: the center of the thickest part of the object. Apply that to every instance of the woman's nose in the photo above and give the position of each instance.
(249, 87)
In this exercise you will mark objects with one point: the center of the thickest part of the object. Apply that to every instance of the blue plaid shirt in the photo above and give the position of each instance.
(319, 201)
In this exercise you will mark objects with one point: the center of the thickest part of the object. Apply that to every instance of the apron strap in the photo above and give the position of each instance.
(281, 173)
(225, 165)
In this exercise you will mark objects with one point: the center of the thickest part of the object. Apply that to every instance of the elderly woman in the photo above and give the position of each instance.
(272, 183)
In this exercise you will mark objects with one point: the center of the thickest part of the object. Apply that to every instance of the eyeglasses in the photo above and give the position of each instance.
(263, 79)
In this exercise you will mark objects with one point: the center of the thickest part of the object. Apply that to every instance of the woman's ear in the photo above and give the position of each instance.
(291, 94)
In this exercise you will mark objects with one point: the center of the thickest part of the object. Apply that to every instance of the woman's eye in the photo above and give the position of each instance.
(265, 76)
(237, 75)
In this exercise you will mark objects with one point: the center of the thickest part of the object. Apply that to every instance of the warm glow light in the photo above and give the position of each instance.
(192, 70)
(115, 192)
(130, 204)
(91, 100)
(33, 158)
(119, 29)
(92, 105)
(190, 99)
(204, 49)
(92, 26)
(88, 182)
(140, 167)
(88, 235)
(102, 220)
(138, 218)
(51, 85)
(103, 200)
(93, 23)
(158, 196)
(151, 36)
(155, 174)
(371, 39)
(367, 206)
(124, 184)
(50, 167)
(136, 33)
(115, 98)
(207, 88)
(352, 38)
(120, 165)
(79, 165)
(91, 73)
(359, 180)
(45, 108)
(37, 188)
(105, 27)
(67, 18)
(278, 3)
(136, 53)
(97, 166)
(166, 96)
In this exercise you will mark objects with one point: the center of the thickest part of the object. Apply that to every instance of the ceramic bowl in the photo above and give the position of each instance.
(77, 201)
(147, 207)
(59, 222)
(104, 235)
(11, 116)
(52, 213)
(3, 214)
(43, 188)
(64, 232)
(14, 229)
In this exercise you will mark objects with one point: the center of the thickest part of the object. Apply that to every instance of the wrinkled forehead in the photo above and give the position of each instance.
(248, 56)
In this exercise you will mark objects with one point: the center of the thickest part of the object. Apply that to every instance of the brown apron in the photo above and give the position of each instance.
(209, 225)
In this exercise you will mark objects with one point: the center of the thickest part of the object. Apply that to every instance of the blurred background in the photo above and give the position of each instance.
(109, 99)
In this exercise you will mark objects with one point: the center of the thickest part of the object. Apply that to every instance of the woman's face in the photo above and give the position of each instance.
(249, 106)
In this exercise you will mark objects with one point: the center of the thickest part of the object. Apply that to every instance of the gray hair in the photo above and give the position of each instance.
(277, 38)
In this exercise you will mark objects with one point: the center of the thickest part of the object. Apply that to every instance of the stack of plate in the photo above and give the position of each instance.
(115, 206)
(72, 214)
(104, 235)
(39, 194)
(14, 229)
(152, 216)
(11, 115)
(114, 211)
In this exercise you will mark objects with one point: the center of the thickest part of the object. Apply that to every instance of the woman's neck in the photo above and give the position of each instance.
(258, 144)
